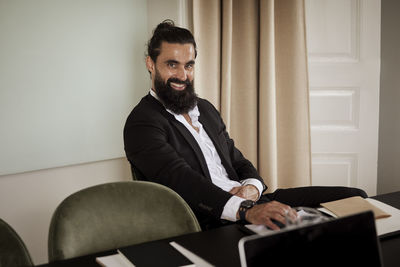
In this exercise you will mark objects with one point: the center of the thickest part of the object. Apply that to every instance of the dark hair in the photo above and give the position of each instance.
(166, 31)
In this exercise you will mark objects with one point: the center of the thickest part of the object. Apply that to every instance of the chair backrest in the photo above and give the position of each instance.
(113, 215)
(137, 175)
(13, 251)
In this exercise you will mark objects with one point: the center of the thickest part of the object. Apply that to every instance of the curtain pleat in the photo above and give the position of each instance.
(293, 125)
(268, 141)
(207, 25)
(252, 65)
(239, 90)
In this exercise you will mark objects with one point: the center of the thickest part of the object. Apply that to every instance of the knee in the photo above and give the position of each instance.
(359, 192)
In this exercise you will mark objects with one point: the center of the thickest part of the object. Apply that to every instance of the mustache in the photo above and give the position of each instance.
(176, 80)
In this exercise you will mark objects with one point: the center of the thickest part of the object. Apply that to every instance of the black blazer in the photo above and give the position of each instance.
(164, 151)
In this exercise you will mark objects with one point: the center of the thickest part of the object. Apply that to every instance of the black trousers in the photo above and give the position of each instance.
(311, 196)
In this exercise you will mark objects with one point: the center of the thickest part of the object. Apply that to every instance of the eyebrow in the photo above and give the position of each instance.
(172, 61)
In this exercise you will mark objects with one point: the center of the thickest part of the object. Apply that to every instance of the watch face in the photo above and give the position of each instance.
(247, 204)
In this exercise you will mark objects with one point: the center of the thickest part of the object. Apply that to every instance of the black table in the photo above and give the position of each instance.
(219, 246)
(390, 244)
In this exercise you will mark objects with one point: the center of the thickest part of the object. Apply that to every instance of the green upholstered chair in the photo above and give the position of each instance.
(12, 249)
(113, 215)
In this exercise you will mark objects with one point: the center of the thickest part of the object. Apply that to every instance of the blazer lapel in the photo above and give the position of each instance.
(185, 133)
(212, 133)
(193, 143)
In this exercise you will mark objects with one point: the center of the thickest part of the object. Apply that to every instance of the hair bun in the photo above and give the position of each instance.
(166, 31)
(168, 23)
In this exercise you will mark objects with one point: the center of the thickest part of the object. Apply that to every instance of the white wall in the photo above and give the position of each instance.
(180, 11)
(69, 74)
(28, 199)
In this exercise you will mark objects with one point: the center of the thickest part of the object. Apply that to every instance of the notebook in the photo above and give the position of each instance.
(155, 254)
(159, 254)
(345, 241)
(351, 205)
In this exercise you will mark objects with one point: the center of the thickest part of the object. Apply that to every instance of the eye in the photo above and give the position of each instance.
(171, 64)
(189, 66)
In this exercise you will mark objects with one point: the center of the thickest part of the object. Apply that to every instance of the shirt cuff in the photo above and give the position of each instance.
(256, 183)
(231, 208)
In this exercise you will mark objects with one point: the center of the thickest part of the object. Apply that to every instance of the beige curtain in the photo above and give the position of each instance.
(252, 65)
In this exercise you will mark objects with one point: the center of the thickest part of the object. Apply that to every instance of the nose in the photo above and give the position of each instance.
(181, 74)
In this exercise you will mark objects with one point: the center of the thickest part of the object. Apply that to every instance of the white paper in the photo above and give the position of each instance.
(198, 261)
(259, 229)
(324, 210)
(114, 260)
(389, 224)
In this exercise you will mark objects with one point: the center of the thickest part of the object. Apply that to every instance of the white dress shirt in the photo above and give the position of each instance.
(218, 174)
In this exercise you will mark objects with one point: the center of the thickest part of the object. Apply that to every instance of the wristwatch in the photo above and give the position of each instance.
(244, 206)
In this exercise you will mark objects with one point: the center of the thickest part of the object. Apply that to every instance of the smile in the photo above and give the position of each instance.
(178, 86)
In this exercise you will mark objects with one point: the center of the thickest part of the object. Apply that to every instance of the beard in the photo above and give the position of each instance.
(179, 102)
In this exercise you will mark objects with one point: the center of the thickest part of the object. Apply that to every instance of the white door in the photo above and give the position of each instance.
(343, 40)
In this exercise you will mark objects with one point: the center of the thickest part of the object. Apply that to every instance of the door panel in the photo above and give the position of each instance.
(343, 41)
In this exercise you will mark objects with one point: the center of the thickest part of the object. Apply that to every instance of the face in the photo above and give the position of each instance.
(172, 76)
(174, 61)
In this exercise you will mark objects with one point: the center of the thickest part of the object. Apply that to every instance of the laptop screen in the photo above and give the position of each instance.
(346, 241)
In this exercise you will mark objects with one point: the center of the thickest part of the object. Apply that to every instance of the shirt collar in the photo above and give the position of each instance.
(193, 113)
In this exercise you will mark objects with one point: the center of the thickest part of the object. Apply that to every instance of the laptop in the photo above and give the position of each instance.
(345, 241)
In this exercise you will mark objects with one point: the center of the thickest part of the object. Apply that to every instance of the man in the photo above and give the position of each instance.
(177, 139)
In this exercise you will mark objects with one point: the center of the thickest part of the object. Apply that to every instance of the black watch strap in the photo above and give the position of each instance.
(244, 206)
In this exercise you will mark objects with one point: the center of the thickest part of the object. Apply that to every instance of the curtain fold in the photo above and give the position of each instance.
(252, 65)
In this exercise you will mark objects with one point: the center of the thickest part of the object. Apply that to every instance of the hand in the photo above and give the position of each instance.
(247, 192)
(266, 212)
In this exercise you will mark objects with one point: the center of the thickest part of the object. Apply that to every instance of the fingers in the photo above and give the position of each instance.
(269, 212)
(271, 225)
(235, 190)
(278, 211)
(291, 216)
(247, 192)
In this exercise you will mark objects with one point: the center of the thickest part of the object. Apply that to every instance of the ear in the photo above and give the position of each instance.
(150, 65)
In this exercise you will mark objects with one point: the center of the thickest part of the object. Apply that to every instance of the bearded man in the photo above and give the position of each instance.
(177, 139)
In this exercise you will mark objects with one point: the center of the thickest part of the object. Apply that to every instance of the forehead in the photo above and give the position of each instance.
(179, 52)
